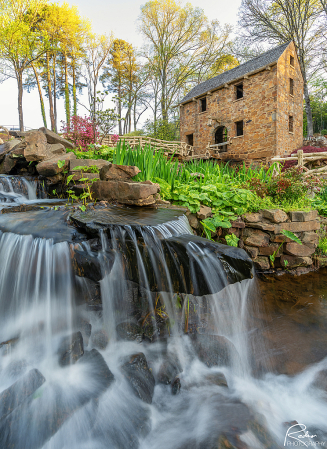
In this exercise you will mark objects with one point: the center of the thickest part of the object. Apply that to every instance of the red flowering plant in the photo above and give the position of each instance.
(81, 131)
(289, 186)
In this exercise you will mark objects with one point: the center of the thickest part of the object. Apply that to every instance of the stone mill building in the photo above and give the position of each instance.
(252, 112)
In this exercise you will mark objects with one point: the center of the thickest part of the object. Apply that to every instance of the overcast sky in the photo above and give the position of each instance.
(117, 16)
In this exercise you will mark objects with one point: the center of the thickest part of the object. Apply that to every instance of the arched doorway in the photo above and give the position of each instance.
(221, 135)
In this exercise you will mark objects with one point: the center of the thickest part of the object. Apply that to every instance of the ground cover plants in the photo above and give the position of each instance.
(228, 191)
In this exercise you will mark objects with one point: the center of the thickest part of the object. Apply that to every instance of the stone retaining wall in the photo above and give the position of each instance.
(260, 236)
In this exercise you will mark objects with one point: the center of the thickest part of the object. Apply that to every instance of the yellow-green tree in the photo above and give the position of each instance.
(21, 41)
(66, 32)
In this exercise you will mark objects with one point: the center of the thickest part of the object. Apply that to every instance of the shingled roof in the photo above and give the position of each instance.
(257, 63)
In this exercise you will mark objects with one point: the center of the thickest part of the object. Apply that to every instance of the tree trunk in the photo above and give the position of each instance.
(74, 89)
(67, 105)
(19, 76)
(308, 109)
(119, 108)
(44, 118)
(54, 91)
(52, 119)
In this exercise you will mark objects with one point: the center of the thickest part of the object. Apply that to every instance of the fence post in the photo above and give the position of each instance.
(300, 158)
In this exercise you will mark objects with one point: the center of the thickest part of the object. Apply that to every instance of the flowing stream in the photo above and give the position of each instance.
(153, 367)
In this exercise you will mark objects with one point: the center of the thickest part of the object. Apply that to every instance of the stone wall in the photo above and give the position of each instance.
(264, 109)
(288, 105)
(260, 236)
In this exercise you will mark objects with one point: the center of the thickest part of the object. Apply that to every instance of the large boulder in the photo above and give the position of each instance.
(215, 350)
(50, 167)
(137, 373)
(17, 393)
(125, 192)
(53, 138)
(36, 147)
(118, 172)
(7, 147)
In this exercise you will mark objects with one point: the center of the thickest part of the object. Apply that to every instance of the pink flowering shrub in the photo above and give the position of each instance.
(81, 131)
(115, 139)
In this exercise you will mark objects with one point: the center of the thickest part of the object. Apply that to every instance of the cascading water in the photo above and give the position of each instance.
(164, 360)
(16, 189)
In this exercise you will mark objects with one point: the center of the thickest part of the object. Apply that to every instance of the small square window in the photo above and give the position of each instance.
(189, 139)
(291, 86)
(203, 104)
(292, 61)
(239, 128)
(239, 91)
(290, 123)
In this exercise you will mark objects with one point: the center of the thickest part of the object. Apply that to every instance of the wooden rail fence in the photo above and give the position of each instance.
(176, 147)
(303, 159)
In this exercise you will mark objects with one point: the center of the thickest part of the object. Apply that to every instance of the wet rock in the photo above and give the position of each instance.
(100, 372)
(234, 262)
(270, 250)
(137, 373)
(49, 167)
(262, 434)
(252, 251)
(71, 349)
(204, 212)
(194, 222)
(275, 215)
(218, 379)
(118, 172)
(36, 146)
(17, 393)
(169, 370)
(176, 386)
(100, 339)
(51, 412)
(231, 441)
(214, 350)
(88, 264)
(261, 263)
(129, 331)
(85, 328)
(293, 261)
(304, 216)
(320, 380)
(54, 138)
(88, 292)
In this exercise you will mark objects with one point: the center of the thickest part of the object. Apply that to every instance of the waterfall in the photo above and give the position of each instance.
(17, 189)
(143, 344)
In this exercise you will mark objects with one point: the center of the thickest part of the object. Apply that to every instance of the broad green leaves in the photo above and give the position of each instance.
(291, 236)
